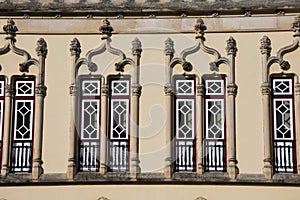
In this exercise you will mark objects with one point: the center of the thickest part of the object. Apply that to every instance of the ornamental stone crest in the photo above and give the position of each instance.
(10, 28)
(106, 29)
(200, 27)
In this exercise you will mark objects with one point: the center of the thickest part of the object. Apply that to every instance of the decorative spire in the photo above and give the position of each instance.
(75, 47)
(106, 29)
(231, 46)
(10, 29)
(265, 45)
(200, 28)
(169, 47)
(136, 47)
(296, 26)
(41, 48)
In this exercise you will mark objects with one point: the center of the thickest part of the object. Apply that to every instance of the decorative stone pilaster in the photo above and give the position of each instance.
(6, 132)
(104, 131)
(297, 119)
(199, 128)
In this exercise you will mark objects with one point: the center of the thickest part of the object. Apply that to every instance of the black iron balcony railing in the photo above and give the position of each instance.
(214, 155)
(21, 156)
(89, 155)
(284, 156)
(119, 156)
(185, 155)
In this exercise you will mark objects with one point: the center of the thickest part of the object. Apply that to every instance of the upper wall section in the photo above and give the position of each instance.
(145, 7)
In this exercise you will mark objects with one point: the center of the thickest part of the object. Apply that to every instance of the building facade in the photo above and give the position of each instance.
(149, 99)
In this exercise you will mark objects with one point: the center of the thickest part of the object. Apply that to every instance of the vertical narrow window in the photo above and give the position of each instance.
(284, 142)
(23, 123)
(214, 135)
(2, 101)
(89, 142)
(185, 124)
(119, 124)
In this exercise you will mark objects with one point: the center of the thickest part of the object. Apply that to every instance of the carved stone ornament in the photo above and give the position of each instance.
(232, 89)
(265, 45)
(231, 46)
(284, 65)
(8, 90)
(106, 29)
(168, 90)
(137, 90)
(73, 89)
(104, 90)
(41, 48)
(200, 90)
(213, 66)
(200, 28)
(10, 29)
(119, 67)
(75, 47)
(265, 89)
(296, 26)
(187, 66)
(169, 47)
(41, 90)
(136, 47)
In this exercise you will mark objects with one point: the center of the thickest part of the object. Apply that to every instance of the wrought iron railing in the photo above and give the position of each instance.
(21, 156)
(118, 155)
(284, 156)
(89, 155)
(185, 155)
(214, 155)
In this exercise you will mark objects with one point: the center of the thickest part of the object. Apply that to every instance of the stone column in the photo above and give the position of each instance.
(199, 128)
(103, 136)
(266, 90)
(75, 53)
(134, 122)
(37, 169)
(7, 129)
(297, 119)
(169, 53)
(232, 168)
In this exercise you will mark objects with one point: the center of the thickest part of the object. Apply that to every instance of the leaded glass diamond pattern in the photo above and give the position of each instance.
(215, 119)
(120, 87)
(282, 86)
(23, 120)
(214, 87)
(185, 118)
(185, 87)
(119, 119)
(90, 119)
(91, 87)
(282, 119)
(24, 88)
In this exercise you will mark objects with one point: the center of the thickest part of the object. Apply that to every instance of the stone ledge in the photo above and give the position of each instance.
(93, 178)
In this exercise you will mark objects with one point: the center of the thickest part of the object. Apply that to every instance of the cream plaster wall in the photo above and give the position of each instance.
(152, 137)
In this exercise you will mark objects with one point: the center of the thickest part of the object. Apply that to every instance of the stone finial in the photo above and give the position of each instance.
(200, 28)
(75, 47)
(41, 48)
(265, 45)
(296, 26)
(231, 46)
(136, 47)
(106, 29)
(169, 47)
(10, 28)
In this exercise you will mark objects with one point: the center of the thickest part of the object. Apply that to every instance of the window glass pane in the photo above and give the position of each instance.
(214, 119)
(214, 87)
(91, 87)
(185, 87)
(185, 118)
(119, 119)
(120, 87)
(283, 115)
(90, 119)
(23, 119)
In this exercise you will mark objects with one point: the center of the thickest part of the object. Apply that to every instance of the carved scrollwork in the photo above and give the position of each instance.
(136, 47)
(41, 48)
(169, 47)
(231, 46)
(265, 45)
(75, 47)
(41, 90)
(106, 29)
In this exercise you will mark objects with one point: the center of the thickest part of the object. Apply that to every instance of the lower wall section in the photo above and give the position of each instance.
(145, 192)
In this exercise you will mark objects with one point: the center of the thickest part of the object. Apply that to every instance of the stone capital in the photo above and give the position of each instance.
(168, 90)
(136, 90)
(73, 89)
(265, 89)
(104, 90)
(232, 89)
(200, 90)
(8, 90)
(41, 90)
(297, 88)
